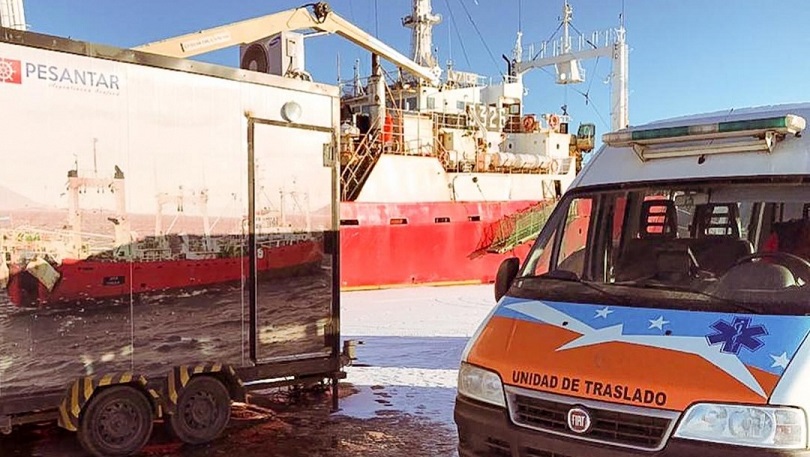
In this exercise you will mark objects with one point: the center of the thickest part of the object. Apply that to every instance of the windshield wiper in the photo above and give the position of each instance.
(570, 276)
(669, 287)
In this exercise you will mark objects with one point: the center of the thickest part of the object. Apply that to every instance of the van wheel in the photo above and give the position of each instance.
(117, 421)
(203, 411)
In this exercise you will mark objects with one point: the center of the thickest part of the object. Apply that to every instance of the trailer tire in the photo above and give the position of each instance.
(203, 411)
(117, 421)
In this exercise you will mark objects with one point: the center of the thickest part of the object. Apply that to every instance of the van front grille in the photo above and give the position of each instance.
(640, 428)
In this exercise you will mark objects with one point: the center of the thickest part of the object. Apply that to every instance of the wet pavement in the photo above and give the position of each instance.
(396, 401)
(285, 424)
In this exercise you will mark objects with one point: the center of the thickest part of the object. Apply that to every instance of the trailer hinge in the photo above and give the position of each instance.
(328, 155)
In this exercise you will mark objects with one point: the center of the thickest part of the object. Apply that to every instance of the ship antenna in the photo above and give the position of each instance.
(338, 69)
(566, 20)
(520, 16)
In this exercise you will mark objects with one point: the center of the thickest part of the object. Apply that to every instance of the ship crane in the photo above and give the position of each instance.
(321, 20)
(179, 199)
(565, 58)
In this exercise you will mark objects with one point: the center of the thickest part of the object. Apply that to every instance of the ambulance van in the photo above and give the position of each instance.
(665, 306)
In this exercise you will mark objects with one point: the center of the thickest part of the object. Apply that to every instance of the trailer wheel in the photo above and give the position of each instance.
(203, 411)
(117, 421)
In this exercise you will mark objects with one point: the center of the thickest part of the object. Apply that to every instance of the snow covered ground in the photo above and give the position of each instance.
(412, 342)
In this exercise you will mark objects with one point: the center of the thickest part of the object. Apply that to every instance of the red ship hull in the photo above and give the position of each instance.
(397, 244)
(93, 280)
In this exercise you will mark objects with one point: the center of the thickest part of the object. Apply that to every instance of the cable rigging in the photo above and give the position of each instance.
(458, 35)
(480, 36)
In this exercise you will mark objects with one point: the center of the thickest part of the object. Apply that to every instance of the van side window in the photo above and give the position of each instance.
(565, 248)
(543, 262)
(575, 237)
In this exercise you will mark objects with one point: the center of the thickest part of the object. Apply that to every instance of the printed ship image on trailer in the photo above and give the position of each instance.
(167, 242)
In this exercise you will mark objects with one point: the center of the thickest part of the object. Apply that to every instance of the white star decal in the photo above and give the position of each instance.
(658, 323)
(686, 344)
(603, 313)
(780, 360)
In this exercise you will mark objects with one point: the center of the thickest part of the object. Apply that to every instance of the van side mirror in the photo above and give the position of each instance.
(506, 274)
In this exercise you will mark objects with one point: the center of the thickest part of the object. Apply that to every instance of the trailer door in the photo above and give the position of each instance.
(293, 302)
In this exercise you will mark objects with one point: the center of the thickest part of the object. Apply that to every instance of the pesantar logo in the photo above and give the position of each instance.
(10, 71)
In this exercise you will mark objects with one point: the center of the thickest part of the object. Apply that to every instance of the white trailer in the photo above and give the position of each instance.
(168, 236)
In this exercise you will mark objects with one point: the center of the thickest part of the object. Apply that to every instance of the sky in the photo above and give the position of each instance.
(686, 56)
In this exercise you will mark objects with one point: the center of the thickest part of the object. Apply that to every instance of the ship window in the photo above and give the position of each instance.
(460, 105)
(399, 221)
(474, 218)
(441, 220)
(349, 222)
(431, 103)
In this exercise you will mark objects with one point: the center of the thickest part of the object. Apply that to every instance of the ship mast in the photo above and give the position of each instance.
(421, 21)
(12, 14)
(565, 54)
(76, 185)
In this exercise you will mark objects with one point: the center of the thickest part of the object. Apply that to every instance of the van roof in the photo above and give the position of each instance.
(612, 164)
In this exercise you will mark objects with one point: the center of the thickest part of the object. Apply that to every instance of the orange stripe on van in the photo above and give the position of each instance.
(523, 352)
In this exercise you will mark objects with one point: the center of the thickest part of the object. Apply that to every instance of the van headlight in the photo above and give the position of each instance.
(760, 426)
(480, 384)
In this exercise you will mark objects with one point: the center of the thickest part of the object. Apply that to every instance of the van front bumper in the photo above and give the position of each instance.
(487, 431)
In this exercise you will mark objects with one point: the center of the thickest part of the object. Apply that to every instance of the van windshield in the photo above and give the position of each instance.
(711, 246)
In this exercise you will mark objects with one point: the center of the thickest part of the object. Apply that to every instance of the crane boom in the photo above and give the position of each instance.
(250, 30)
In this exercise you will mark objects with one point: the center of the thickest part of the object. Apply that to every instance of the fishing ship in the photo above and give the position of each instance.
(442, 180)
(67, 267)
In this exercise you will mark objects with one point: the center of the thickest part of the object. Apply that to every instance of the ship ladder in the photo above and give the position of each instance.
(513, 230)
(355, 174)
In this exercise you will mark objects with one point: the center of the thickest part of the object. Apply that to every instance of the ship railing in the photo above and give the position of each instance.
(451, 120)
(28, 232)
(514, 229)
(555, 48)
(360, 87)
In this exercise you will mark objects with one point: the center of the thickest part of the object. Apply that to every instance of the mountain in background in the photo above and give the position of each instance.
(10, 200)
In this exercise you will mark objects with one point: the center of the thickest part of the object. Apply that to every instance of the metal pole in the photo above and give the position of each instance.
(12, 14)
(619, 116)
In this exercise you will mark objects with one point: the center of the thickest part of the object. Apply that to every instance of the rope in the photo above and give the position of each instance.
(458, 35)
(590, 103)
(548, 40)
(480, 36)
